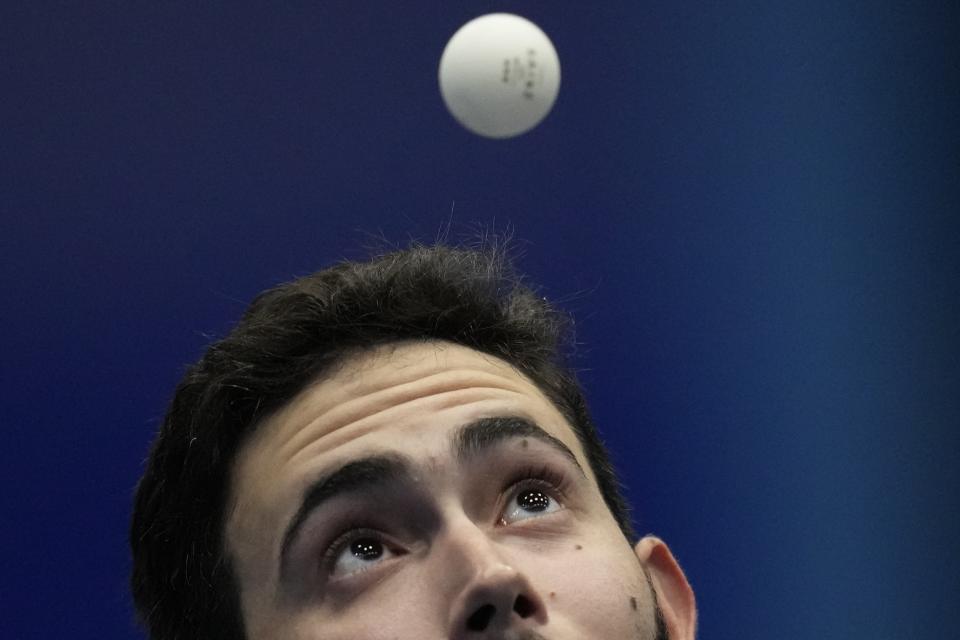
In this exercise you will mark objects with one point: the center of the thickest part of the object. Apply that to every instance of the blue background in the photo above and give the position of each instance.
(749, 207)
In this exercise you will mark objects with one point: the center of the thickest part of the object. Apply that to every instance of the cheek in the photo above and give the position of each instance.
(597, 589)
(376, 617)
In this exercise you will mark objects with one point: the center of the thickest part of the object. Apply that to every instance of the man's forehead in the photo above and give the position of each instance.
(389, 386)
(370, 370)
(380, 377)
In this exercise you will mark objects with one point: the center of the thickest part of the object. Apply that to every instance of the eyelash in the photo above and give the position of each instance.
(552, 480)
(350, 534)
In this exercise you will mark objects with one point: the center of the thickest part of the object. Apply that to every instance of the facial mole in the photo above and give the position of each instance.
(633, 603)
(524, 443)
(553, 594)
(578, 547)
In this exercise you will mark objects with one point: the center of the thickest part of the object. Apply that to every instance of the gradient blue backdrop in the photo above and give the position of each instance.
(749, 207)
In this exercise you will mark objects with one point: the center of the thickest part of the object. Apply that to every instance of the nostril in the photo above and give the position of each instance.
(481, 618)
(523, 607)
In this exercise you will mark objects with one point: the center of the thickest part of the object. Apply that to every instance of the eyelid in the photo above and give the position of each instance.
(545, 477)
(543, 474)
(349, 535)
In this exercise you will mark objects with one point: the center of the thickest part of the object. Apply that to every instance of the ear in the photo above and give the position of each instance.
(674, 594)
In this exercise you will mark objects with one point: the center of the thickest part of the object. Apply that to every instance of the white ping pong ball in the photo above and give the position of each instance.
(499, 75)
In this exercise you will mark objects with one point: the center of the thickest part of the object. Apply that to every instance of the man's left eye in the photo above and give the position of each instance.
(529, 503)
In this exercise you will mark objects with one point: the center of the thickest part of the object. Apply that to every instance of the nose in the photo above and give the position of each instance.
(497, 599)
(494, 596)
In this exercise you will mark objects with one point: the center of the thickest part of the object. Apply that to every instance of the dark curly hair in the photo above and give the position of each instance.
(182, 581)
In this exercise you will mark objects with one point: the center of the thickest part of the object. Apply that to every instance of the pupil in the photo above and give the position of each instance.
(533, 500)
(366, 549)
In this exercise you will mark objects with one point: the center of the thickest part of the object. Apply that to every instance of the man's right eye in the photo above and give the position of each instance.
(357, 551)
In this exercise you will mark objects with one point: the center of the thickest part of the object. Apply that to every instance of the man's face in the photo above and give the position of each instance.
(427, 491)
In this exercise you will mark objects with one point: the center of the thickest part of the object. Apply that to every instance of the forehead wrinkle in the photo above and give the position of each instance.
(363, 407)
(354, 430)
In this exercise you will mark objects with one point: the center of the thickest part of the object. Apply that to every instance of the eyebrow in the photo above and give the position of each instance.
(468, 443)
(476, 438)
